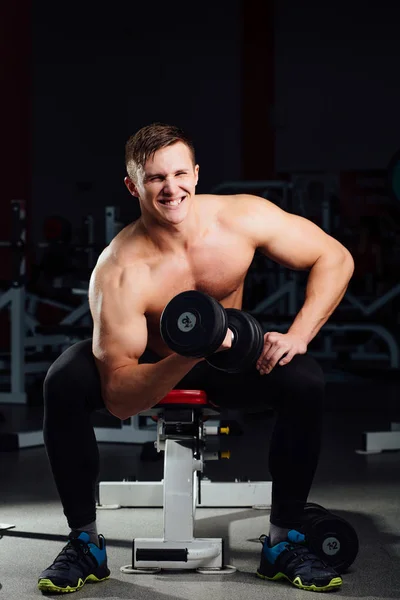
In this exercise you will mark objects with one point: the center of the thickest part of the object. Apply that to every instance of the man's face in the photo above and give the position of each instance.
(167, 183)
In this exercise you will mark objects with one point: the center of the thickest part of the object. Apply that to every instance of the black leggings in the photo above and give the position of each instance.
(296, 392)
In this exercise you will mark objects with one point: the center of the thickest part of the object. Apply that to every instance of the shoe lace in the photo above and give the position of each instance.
(262, 538)
(71, 553)
(301, 552)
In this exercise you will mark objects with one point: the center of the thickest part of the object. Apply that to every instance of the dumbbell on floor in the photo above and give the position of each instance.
(330, 537)
(194, 324)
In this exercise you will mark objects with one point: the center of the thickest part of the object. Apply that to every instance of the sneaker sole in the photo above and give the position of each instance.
(46, 585)
(332, 585)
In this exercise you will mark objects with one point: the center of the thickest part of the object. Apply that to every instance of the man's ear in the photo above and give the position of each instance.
(196, 171)
(131, 187)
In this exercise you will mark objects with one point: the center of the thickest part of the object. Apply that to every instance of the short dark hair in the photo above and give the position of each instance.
(143, 144)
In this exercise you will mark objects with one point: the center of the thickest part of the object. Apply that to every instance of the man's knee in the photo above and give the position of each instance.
(72, 375)
(57, 379)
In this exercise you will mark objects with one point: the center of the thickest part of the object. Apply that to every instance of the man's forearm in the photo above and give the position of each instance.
(133, 389)
(327, 284)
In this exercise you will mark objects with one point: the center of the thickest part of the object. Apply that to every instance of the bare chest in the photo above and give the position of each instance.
(219, 272)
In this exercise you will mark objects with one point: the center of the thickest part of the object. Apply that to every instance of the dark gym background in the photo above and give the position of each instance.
(267, 90)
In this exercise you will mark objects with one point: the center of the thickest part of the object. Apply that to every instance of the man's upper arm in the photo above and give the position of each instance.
(119, 323)
(290, 240)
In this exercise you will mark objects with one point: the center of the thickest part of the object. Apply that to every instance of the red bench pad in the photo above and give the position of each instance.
(192, 397)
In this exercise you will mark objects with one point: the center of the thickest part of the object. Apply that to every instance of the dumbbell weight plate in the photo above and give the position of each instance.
(193, 324)
(333, 539)
(248, 342)
(312, 508)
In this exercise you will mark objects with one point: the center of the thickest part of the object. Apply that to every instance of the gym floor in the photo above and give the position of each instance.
(365, 489)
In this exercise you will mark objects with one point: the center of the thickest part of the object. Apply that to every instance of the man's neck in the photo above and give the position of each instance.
(172, 238)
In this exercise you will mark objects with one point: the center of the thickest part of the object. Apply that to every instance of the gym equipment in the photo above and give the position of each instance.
(375, 442)
(25, 356)
(182, 431)
(28, 338)
(194, 324)
(330, 537)
(247, 343)
(213, 494)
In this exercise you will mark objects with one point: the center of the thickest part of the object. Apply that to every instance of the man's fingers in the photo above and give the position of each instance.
(279, 349)
(269, 353)
(286, 358)
(266, 349)
(266, 366)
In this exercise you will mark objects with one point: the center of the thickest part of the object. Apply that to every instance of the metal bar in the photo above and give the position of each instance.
(127, 434)
(44, 340)
(9, 398)
(110, 223)
(44, 300)
(214, 494)
(76, 314)
(377, 441)
(5, 299)
(270, 301)
(30, 439)
(375, 356)
(34, 367)
(368, 310)
(178, 489)
(17, 342)
(395, 291)
(378, 330)
(18, 241)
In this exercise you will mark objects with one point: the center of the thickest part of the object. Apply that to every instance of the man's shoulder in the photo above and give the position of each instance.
(224, 204)
(125, 256)
(130, 245)
(218, 198)
(230, 201)
(233, 208)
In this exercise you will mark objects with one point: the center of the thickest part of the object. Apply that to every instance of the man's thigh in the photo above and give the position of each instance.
(247, 391)
(250, 390)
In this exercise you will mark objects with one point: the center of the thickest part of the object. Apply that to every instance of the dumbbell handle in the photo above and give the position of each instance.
(223, 348)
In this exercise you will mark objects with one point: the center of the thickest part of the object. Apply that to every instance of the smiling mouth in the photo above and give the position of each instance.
(174, 202)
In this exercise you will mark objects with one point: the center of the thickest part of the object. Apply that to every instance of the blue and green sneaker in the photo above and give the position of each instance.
(292, 560)
(80, 561)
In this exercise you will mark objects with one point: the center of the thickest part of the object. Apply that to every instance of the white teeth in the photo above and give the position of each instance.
(172, 202)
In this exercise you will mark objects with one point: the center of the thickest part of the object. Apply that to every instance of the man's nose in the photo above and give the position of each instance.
(170, 186)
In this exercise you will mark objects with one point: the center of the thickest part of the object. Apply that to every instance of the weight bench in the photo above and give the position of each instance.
(182, 433)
